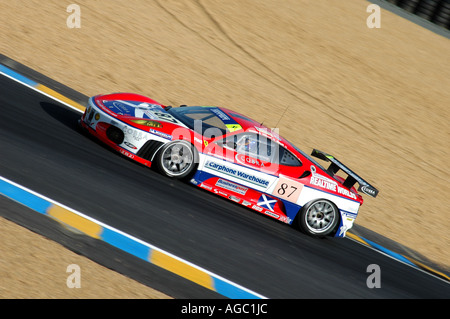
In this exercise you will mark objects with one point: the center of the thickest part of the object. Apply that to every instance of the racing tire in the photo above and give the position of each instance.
(442, 16)
(177, 159)
(409, 5)
(319, 218)
(426, 8)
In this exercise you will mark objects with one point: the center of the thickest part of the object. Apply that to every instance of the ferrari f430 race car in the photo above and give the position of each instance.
(233, 156)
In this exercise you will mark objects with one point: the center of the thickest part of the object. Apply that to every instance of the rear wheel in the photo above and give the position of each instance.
(319, 218)
(177, 159)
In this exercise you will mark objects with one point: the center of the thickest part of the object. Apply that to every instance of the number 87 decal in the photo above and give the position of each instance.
(288, 189)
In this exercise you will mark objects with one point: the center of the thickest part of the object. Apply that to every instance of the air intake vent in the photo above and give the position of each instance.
(115, 134)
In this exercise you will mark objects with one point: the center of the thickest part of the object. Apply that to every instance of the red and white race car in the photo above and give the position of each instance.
(232, 156)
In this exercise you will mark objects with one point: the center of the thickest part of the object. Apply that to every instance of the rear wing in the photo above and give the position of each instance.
(352, 178)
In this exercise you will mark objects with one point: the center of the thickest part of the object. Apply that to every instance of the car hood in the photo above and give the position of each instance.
(133, 108)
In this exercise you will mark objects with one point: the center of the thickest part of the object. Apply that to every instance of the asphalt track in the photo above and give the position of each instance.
(43, 149)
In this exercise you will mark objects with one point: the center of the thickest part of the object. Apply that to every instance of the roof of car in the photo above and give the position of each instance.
(248, 124)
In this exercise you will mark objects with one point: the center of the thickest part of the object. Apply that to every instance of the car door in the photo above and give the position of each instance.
(246, 158)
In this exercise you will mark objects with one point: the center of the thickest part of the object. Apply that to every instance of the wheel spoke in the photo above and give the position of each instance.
(320, 216)
(177, 158)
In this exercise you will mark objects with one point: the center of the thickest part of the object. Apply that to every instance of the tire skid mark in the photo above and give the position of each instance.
(334, 115)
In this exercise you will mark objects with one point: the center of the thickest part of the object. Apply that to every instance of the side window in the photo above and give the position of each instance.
(257, 146)
(288, 159)
(260, 147)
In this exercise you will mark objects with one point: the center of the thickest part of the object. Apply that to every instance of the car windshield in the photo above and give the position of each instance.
(207, 121)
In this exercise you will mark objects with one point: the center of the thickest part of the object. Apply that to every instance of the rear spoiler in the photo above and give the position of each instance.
(352, 178)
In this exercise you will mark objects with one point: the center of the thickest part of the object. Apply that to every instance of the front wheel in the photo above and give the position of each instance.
(177, 159)
(319, 218)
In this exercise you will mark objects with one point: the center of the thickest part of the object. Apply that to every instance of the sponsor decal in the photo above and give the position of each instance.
(345, 192)
(134, 134)
(234, 198)
(103, 107)
(231, 124)
(233, 127)
(369, 190)
(285, 219)
(132, 108)
(128, 154)
(322, 181)
(220, 114)
(231, 186)
(267, 202)
(119, 108)
(246, 160)
(206, 187)
(343, 230)
(271, 214)
(256, 207)
(161, 134)
(218, 191)
(350, 215)
(259, 181)
(288, 189)
(130, 145)
(148, 123)
(101, 127)
(329, 184)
